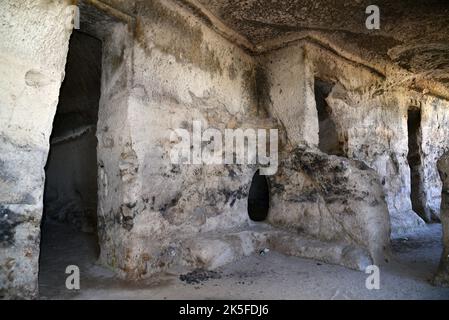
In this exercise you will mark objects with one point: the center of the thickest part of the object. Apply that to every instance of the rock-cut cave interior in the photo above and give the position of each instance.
(94, 98)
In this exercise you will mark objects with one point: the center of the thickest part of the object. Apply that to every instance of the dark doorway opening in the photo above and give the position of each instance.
(328, 136)
(414, 161)
(258, 198)
(69, 224)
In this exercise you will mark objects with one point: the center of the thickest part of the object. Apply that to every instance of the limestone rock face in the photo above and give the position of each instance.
(170, 72)
(434, 113)
(370, 116)
(333, 199)
(442, 276)
(33, 47)
(149, 206)
(376, 130)
(163, 68)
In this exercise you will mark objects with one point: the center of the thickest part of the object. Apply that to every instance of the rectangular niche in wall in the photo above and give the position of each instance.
(329, 141)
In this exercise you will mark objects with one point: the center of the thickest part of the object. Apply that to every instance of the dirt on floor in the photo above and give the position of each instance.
(261, 276)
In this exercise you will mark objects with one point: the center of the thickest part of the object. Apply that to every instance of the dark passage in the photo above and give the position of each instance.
(328, 136)
(414, 161)
(70, 196)
(258, 198)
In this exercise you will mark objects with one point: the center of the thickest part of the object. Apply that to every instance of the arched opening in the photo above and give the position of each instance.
(258, 198)
(328, 136)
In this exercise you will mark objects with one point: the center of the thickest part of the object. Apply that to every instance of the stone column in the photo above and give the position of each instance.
(442, 276)
(34, 38)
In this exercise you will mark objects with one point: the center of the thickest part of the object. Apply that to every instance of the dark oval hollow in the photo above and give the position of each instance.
(258, 198)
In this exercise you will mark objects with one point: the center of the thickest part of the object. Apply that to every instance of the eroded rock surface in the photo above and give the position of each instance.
(331, 198)
(33, 49)
(442, 276)
(165, 66)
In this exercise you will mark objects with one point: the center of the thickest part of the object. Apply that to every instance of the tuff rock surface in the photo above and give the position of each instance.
(442, 276)
(168, 63)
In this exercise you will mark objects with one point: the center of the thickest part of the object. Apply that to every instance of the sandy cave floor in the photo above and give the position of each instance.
(269, 276)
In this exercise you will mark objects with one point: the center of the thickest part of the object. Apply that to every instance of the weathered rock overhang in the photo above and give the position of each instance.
(420, 82)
